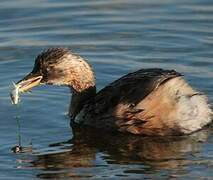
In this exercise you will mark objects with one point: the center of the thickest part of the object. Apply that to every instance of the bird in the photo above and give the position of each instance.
(147, 102)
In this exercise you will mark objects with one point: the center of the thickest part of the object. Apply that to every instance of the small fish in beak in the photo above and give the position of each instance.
(25, 85)
(14, 94)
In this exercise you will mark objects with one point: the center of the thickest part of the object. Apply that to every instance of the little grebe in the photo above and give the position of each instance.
(145, 102)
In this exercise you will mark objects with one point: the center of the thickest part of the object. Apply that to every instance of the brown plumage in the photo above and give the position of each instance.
(146, 102)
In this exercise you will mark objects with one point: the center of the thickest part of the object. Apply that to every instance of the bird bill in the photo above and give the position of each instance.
(25, 85)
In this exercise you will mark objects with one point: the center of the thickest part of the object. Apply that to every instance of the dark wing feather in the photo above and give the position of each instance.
(129, 90)
(132, 88)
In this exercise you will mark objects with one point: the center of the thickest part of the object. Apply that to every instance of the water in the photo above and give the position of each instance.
(116, 37)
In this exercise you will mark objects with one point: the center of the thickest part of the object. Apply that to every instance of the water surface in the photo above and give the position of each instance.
(116, 37)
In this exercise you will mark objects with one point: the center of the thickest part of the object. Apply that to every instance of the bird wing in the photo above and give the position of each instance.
(132, 88)
(129, 90)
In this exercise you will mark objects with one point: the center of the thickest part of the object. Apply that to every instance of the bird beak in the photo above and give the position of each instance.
(28, 82)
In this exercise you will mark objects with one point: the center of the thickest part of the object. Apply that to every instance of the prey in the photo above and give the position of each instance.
(14, 95)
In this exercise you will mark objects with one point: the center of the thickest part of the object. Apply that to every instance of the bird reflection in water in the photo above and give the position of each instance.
(148, 153)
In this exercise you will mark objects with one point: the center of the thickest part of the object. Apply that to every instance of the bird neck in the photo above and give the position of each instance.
(79, 99)
(81, 82)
